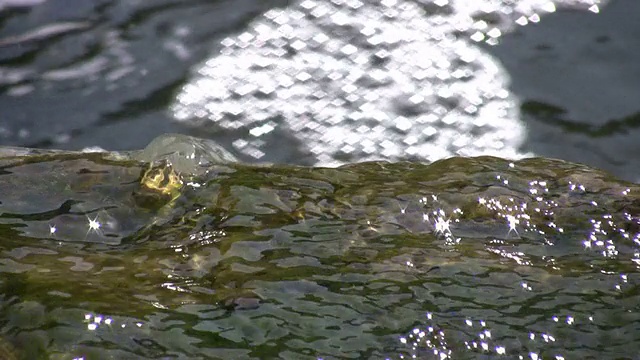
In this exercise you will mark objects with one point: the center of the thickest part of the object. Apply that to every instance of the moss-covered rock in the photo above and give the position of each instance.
(147, 256)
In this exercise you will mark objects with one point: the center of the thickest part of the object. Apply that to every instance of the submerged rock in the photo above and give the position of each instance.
(178, 244)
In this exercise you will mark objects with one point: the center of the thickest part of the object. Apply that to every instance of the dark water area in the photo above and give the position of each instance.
(465, 258)
(108, 78)
(105, 73)
(577, 75)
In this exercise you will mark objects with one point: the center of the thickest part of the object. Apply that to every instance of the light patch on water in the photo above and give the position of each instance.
(94, 225)
(355, 81)
(429, 338)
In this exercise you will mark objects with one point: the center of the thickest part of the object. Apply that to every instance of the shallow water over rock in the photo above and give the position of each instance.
(462, 258)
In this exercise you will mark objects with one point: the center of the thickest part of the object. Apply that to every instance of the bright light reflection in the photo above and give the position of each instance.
(94, 224)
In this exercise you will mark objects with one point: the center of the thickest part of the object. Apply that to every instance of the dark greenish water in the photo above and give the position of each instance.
(465, 258)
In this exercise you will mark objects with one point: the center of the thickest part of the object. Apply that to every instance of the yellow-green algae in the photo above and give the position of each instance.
(230, 260)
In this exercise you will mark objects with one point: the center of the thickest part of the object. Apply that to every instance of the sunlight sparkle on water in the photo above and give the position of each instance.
(513, 221)
(94, 224)
(94, 321)
(430, 338)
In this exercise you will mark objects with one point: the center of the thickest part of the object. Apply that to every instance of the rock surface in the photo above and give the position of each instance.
(462, 257)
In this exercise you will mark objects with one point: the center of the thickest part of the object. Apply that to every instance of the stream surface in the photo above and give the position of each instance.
(328, 82)
(121, 256)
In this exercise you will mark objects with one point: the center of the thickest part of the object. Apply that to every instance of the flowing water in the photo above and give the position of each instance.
(104, 256)
(180, 252)
(318, 82)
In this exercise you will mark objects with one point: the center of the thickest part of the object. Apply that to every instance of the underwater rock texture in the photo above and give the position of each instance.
(459, 258)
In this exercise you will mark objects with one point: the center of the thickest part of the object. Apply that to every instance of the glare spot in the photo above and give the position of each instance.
(549, 7)
(94, 225)
(477, 36)
(512, 225)
(494, 33)
(442, 226)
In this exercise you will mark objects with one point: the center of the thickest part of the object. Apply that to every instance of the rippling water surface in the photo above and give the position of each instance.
(323, 82)
(463, 259)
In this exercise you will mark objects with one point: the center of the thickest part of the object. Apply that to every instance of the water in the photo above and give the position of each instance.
(466, 258)
(108, 85)
(561, 69)
(441, 78)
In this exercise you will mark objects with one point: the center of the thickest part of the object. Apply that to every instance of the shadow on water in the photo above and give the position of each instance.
(576, 74)
(102, 73)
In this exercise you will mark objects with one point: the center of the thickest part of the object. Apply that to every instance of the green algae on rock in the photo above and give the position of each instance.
(459, 258)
